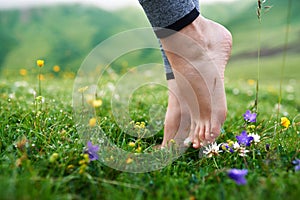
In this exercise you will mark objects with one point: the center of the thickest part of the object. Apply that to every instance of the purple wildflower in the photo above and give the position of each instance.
(244, 139)
(249, 117)
(238, 175)
(267, 147)
(92, 151)
(296, 162)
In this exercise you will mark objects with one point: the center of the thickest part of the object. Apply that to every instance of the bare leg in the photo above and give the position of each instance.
(177, 122)
(199, 72)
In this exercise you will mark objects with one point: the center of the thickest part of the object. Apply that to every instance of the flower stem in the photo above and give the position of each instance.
(215, 163)
(40, 87)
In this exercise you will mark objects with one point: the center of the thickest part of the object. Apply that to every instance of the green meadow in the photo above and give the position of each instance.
(42, 153)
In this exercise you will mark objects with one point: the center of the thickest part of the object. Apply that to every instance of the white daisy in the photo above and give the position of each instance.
(256, 137)
(212, 150)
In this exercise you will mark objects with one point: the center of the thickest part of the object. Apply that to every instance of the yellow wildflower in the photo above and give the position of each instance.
(23, 72)
(82, 168)
(53, 157)
(131, 144)
(230, 143)
(251, 82)
(224, 148)
(138, 150)
(142, 125)
(86, 157)
(92, 122)
(56, 68)
(97, 103)
(40, 63)
(285, 122)
(41, 77)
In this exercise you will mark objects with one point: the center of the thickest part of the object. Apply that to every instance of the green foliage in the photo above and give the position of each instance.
(41, 152)
(66, 34)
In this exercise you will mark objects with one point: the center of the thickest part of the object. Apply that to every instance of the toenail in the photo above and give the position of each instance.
(211, 135)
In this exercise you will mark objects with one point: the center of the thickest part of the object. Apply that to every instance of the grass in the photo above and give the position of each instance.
(41, 152)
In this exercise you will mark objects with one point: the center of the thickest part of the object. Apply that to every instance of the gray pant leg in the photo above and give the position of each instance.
(167, 15)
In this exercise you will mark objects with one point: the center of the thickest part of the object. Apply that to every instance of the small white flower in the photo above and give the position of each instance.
(256, 137)
(212, 150)
(236, 146)
(243, 151)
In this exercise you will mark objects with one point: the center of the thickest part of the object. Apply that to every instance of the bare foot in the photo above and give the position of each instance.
(177, 120)
(198, 54)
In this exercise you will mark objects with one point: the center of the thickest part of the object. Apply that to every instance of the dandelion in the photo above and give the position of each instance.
(296, 162)
(285, 122)
(212, 150)
(23, 72)
(244, 139)
(92, 151)
(56, 68)
(40, 63)
(238, 175)
(92, 122)
(249, 117)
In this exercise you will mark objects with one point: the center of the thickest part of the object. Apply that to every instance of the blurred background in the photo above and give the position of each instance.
(63, 32)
